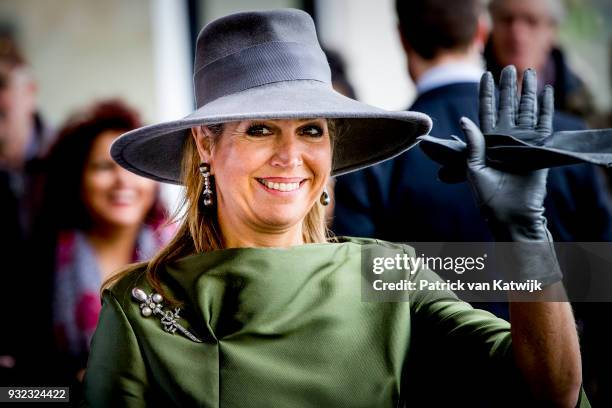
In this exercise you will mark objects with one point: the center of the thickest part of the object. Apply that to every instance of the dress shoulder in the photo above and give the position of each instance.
(374, 241)
(122, 284)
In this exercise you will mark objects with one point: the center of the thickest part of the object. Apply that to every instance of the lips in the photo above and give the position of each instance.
(281, 184)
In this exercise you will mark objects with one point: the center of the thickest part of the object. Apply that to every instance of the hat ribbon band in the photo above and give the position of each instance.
(259, 65)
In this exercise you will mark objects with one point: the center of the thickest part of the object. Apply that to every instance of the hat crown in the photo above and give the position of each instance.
(250, 49)
(236, 32)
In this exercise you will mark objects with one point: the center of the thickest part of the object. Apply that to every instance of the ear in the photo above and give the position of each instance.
(405, 44)
(483, 29)
(203, 143)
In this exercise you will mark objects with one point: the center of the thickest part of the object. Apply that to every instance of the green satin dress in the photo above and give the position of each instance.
(279, 328)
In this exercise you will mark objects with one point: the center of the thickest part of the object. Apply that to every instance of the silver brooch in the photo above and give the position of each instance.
(152, 305)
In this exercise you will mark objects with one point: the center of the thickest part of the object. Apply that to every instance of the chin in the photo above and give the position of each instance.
(280, 219)
(123, 220)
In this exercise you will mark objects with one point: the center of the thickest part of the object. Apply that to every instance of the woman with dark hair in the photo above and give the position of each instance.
(96, 218)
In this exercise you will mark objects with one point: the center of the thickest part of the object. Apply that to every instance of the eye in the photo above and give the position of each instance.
(312, 131)
(102, 165)
(258, 130)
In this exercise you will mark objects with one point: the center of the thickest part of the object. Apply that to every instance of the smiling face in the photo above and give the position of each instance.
(113, 196)
(268, 173)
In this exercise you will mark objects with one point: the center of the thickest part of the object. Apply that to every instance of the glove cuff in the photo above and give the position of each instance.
(528, 252)
(520, 229)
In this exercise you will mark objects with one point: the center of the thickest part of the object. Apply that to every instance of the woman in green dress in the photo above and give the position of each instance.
(252, 304)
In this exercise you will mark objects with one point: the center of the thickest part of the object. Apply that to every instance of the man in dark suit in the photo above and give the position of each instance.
(402, 199)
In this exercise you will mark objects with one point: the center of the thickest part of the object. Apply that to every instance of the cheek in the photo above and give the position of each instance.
(4, 100)
(145, 186)
(322, 159)
(95, 184)
(546, 40)
(233, 165)
(148, 192)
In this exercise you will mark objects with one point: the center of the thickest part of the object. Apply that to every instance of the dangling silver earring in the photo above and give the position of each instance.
(324, 197)
(207, 193)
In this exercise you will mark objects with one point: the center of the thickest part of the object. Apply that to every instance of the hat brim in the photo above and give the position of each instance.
(509, 153)
(372, 134)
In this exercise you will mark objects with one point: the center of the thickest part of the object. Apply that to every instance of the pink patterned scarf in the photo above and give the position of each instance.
(76, 295)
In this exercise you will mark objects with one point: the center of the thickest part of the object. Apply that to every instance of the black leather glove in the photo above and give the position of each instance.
(512, 203)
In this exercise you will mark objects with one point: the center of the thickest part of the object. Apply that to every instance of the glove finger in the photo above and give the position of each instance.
(547, 111)
(476, 145)
(486, 106)
(507, 97)
(527, 109)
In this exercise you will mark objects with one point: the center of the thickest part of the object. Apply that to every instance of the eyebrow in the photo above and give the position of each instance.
(309, 120)
(270, 122)
(300, 121)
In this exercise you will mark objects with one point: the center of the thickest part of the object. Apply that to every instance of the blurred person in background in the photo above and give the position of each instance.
(23, 140)
(340, 80)
(524, 34)
(24, 137)
(402, 199)
(96, 218)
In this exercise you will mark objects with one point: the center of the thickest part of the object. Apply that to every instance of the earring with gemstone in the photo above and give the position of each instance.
(324, 197)
(207, 193)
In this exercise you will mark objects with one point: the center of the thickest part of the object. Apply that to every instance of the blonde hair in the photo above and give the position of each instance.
(199, 230)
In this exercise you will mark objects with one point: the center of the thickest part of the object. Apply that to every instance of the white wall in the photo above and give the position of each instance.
(212, 9)
(365, 33)
(81, 50)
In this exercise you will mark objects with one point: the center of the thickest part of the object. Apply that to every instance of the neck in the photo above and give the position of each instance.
(239, 235)
(111, 237)
(113, 246)
(418, 66)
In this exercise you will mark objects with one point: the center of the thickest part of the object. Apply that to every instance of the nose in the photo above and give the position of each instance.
(288, 151)
(519, 30)
(122, 176)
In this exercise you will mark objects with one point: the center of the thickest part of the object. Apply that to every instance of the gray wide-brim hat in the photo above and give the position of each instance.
(268, 65)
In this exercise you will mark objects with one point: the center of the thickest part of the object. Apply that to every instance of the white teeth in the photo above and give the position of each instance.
(281, 186)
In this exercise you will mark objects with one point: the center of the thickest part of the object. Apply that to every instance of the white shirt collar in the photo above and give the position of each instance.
(448, 73)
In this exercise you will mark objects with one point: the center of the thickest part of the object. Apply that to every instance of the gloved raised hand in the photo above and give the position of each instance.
(519, 139)
(512, 203)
